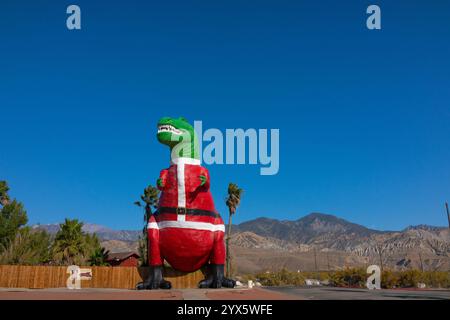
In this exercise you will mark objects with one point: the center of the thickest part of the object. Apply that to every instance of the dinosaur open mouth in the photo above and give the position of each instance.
(168, 128)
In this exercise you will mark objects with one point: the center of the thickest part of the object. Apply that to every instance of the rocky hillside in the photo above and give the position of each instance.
(306, 228)
(324, 231)
(317, 240)
(102, 232)
(326, 236)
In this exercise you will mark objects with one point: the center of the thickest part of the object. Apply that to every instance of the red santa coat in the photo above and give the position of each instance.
(187, 231)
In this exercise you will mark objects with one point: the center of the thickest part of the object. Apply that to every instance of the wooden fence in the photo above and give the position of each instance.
(39, 277)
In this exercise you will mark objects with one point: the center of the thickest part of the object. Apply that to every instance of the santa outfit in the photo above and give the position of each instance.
(186, 230)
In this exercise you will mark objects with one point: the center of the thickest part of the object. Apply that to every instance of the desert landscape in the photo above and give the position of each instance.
(314, 242)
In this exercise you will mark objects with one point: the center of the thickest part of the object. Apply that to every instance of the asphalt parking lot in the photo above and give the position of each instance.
(329, 293)
(266, 293)
(121, 294)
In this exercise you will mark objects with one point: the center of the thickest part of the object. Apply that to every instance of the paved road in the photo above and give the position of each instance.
(272, 293)
(119, 294)
(328, 293)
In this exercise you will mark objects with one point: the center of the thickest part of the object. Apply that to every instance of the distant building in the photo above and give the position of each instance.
(123, 259)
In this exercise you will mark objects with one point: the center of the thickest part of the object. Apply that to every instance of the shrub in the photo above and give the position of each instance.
(281, 278)
(390, 279)
(355, 277)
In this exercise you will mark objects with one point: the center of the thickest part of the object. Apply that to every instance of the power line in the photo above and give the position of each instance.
(448, 214)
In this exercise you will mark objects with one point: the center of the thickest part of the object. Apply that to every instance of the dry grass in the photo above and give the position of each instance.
(355, 277)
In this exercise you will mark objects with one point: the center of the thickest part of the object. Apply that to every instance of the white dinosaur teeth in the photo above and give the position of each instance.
(168, 128)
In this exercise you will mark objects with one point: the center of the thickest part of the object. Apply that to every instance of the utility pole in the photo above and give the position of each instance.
(380, 256)
(328, 260)
(315, 262)
(421, 262)
(448, 214)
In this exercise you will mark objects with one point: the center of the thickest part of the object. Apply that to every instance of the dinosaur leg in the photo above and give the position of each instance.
(155, 279)
(216, 276)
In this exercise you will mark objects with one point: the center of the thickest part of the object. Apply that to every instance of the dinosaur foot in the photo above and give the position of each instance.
(216, 278)
(154, 281)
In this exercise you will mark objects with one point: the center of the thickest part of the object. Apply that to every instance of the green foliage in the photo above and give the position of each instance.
(22, 245)
(232, 201)
(390, 279)
(4, 197)
(12, 216)
(40, 243)
(352, 277)
(72, 245)
(19, 244)
(142, 249)
(436, 279)
(233, 198)
(27, 248)
(99, 257)
(410, 278)
(150, 198)
(69, 246)
(281, 278)
(355, 277)
(91, 244)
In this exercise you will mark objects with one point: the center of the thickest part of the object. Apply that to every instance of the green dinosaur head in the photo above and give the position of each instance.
(179, 135)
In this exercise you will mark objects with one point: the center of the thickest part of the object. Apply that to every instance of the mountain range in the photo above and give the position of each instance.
(316, 241)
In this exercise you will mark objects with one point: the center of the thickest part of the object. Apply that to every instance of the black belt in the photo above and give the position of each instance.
(186, 211)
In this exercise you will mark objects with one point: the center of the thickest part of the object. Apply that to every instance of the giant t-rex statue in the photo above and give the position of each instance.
(186, 230)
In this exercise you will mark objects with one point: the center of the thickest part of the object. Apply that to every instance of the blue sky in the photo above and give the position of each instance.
(364, 116)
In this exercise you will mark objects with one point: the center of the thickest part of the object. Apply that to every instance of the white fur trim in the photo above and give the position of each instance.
(183, 160)
(187, 225)
(152, 225)
(181, 186)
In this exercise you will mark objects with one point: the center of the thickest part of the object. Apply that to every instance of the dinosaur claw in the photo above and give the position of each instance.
(228, 283)
(215, 279)
(155, 280)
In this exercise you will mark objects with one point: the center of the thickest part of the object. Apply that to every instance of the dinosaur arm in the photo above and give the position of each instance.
(162, 180)
(204, 178)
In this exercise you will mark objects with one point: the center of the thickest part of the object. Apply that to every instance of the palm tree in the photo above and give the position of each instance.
(150, 200)
(232, 201)
(99, 257)
(69, 246)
